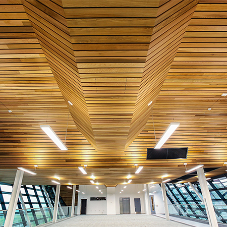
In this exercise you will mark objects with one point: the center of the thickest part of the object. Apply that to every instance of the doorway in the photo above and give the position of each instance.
(125, 205)
(83, 206)
(137, 205)
(152, 205)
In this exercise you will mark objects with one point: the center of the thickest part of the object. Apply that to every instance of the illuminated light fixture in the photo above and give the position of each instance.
(27, 171)
(97, 182)
(70, 103)
(122, 190)
(124, 182)
(99, 190)
(144, 190)
(154, 191)
(92, 177)
(10, 111)
(69, 187)
(208, 178)
(209, 108)
(70, 183)
(77, 191)
(166, 175)
(125, 187)
(129, 176)
(224, 94)
(149, 103)
(83, 193)
(48, 130)
(92, 181)
(138, 191)
(129, 181)
(169, 131)
(193, 169)
(139, 169)
(82, 170)
(56, 177)
(97, 187)
(225, 163)
(55, 182)
(166, 180)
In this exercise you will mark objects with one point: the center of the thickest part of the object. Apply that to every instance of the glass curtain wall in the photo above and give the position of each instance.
(185, 202)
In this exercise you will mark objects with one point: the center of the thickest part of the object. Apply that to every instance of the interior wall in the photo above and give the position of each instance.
(93, 207)
(132, 192)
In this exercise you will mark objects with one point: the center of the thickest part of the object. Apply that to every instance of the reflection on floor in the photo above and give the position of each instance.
(138, 220)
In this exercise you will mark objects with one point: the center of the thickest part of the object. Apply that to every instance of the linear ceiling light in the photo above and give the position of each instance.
(139, 169)
(55, 182)
(166, 180)
(129, 181)
(193, 169)
(49, 131)
(92, 181)
(82, 170)
(69, 187)
(25, 170)
(149, 103)
(169, 131)
(70, 103)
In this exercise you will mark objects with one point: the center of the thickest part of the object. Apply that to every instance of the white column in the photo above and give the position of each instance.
(14, 199)
(110, 198)
(73, 201)
(147, 199)
(57, 194)
(207, 199)
(165, 201)
(25, 210)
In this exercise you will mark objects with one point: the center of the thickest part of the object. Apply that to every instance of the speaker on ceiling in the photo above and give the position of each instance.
(167, 153)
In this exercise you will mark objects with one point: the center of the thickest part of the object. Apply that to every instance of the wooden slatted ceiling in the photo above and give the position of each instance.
(170, 26)
(50, 27)
(110, 41)
(27, 86)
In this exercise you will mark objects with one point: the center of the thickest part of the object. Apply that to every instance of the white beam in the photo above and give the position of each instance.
(165, 201)
(73, 201)
(14, 198)
(207, 199)
(57, 194)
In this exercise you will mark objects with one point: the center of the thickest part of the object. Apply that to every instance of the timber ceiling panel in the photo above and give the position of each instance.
(110, 48)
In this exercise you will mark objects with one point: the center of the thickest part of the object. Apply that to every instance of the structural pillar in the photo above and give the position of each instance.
(147, 199)
(57, 194)
(165, 201)
(14, 198)
(110, 198)
(73, 201)
(207, 199)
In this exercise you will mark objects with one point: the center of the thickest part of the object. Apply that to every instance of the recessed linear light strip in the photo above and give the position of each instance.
(82, 170)
(25, 170)
(193, 169)
(169, 131)
(48, 130)
(55, 182)
(139, 169)
(165, 181)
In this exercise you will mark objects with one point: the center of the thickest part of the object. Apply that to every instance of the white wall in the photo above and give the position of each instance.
(132, 192)
(111, 204)
(93, 207)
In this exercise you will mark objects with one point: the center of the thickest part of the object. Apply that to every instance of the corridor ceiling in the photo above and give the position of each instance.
(110, 59)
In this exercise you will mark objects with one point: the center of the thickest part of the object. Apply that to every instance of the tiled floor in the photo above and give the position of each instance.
(139, 220)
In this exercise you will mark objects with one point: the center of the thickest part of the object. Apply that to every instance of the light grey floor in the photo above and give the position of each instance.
(139, 220)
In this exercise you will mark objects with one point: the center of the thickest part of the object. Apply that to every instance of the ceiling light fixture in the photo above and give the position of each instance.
(125, 187)
(169, 131)
(139, 169)
(92, 181)
(55, 182)
(27, 171)
(138, 191)
(77, 191)
(193, 169)
(149, 103)
(92, 177)
(57, 177)
(129, 176)
(69, 187)
(48, 130)
(82, 170)
(129, 181)
(166, 180)
(166, 175)
(97, 187)
(224, 94)
(10, 111)
(70, 103)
